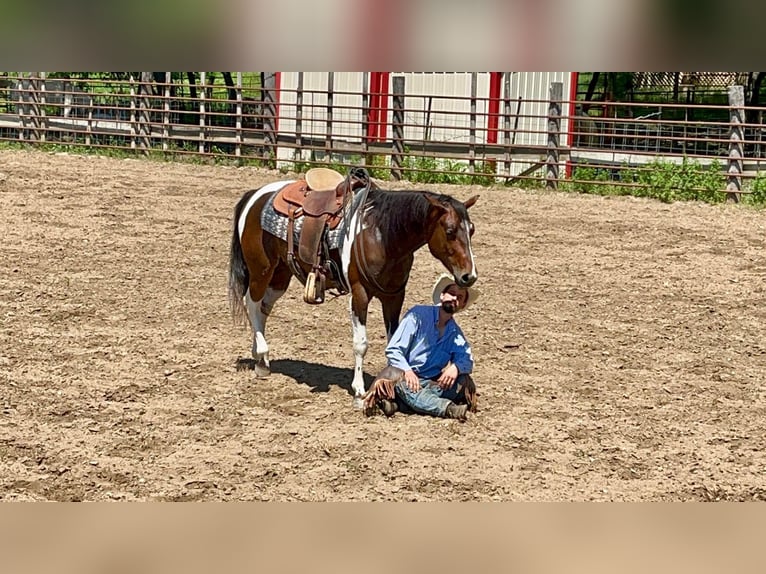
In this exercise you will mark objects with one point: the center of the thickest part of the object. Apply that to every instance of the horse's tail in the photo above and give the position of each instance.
(239, 277)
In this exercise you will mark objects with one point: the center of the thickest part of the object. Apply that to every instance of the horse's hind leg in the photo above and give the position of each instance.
(258, 323)
(258, 311)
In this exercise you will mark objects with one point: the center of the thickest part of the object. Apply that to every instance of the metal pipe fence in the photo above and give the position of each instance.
(536, 142)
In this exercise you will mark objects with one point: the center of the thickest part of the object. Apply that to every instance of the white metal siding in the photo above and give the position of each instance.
(424, 89)
(534, 90)
(347, 123)
(448, 119)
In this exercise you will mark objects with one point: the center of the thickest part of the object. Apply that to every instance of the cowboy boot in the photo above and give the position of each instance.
(456, 412)
(388, 407)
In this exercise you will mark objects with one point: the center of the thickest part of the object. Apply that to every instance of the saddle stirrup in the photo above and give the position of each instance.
(313, 292)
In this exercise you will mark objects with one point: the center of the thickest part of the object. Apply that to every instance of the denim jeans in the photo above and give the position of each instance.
(430, 399)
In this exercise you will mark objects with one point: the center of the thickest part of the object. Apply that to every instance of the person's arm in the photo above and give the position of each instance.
(461, 361)
(398, 347)
(462, 356)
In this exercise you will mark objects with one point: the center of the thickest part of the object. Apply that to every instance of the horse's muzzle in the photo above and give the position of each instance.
(466, 279)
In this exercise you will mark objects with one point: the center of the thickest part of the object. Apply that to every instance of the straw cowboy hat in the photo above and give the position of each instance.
(445, 281)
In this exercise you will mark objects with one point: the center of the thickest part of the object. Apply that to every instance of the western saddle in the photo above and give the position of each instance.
(320, 198)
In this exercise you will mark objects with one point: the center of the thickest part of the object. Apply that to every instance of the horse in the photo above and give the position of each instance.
(371, 256)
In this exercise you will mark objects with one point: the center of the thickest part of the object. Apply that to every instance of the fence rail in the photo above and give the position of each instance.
(427, 135)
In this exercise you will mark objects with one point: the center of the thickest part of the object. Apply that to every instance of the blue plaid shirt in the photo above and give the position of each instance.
(416, 344)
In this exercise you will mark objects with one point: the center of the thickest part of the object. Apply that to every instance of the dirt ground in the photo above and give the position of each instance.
(620, 345)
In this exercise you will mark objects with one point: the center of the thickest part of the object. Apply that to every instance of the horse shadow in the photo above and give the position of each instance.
(314, 375)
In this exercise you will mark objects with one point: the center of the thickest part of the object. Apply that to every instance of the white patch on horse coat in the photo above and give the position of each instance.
(261, 346)
(345, 255)
(268, 188)
(258, 323)
(259, 311)
(360, 350)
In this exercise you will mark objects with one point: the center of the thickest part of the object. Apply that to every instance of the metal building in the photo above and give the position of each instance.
(438, 106)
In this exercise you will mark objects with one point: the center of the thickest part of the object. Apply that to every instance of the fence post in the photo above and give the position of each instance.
(366, 117)
(298, 151)
(736, 143)
(166, 112)
(34, 108)
(43, 113)
(144, 104)
(472, 124)
(328, 129)
(21, 105)
(132, 112)
(554, 129)
(238, 117)
(202, 82)
(507, 122)
(89, 123)
(397, 126)
(269, 89)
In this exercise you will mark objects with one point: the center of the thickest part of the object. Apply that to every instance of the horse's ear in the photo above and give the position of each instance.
(435, 212)
(436, 202)
(470, 201)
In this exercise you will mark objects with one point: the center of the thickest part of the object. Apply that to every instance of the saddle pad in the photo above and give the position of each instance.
(276, 224)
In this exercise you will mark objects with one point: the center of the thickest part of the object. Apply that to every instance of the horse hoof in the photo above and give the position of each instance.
(261, 372)
(358, 403)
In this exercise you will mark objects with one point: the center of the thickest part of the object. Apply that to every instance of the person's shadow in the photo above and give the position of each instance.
(319, 377)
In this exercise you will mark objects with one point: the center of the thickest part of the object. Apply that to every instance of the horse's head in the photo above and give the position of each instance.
(450, 240)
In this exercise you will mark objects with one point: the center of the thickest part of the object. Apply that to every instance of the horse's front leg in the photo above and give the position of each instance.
(392, 308)
(360, 301)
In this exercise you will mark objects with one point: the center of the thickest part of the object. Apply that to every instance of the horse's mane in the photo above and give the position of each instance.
(397, 212)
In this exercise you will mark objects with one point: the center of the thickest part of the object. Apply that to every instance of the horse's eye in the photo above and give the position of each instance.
(451, 233)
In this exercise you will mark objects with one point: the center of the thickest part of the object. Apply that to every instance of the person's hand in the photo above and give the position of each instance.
(412, 380)
(448, 377)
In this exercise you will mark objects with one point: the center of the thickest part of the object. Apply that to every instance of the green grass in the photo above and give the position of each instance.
(664, 181)
(688, 181)
(757, 189)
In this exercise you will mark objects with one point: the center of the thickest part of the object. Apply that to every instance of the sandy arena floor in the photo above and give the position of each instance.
(621, 348)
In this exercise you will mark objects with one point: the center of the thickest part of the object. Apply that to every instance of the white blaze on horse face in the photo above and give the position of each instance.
(268, 188)
(360, 350)
(470, 248)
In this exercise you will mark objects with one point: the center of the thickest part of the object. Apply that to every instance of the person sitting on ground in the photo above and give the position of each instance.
(429, 359)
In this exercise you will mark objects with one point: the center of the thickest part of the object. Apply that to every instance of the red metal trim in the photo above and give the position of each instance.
(377, 116)
(494, 106)
(573, 79)
(374, 112)
(385, 78)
